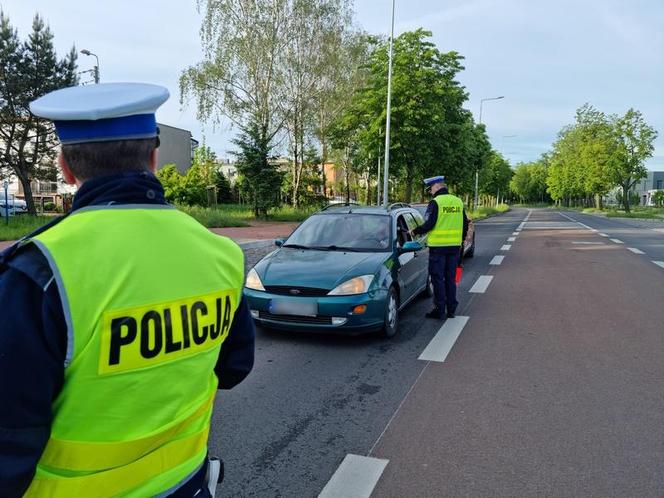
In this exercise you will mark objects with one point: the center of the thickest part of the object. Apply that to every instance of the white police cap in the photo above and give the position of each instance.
(433, 180)
(103, 112)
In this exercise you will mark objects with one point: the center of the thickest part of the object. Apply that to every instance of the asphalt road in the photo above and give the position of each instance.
(311, 400)
(552, 388)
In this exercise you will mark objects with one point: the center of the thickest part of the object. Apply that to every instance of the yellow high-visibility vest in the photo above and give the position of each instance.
(448, 231)
(149, 296)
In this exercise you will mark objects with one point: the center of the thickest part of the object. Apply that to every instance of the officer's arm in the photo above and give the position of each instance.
(236, 358)
(32, 355)
(430, 218)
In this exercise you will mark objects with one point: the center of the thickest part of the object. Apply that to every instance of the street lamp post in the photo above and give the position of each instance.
(389, 112)
(477, 169)
(96, 68)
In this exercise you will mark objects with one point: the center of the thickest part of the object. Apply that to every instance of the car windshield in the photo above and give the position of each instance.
(348, 231)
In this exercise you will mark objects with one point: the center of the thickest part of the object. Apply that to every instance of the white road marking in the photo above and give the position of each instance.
(659, 263)
(515, 233)
(356, 477)
(511, 239)
(497, 260)
(603, 235)
(577, 222)
(481, 285)
(520, 227)
(616, 241)
(635, 250)
(506, 247)
(443, 342)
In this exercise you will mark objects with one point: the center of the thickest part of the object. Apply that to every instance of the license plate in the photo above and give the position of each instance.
(290, 307)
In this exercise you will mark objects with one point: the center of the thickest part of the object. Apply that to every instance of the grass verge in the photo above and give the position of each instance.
(20, 226)
(485, 211)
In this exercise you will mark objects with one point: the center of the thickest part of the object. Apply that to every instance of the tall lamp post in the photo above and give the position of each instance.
(96, 68)
(389, 112)
(477, 169)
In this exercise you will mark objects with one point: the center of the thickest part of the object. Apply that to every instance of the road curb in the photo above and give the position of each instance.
(258, 244)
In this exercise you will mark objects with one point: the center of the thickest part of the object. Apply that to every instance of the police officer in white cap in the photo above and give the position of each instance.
(447, 225)
(122, 319)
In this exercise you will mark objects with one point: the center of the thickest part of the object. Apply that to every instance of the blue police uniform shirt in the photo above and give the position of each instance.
(33, 338)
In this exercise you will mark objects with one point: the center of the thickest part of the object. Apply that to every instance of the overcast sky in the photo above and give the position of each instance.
(546, 57)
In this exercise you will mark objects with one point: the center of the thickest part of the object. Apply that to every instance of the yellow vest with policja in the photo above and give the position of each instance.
(149, 296)
(448, 231)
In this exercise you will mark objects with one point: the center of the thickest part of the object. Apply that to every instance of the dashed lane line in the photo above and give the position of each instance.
(444, 340)
(481, 284)
(616, 241)
(511, 239)
(659, 263)
(506, 247)
(603, 235)
(356, 477)
(635, 250)
(497, 260)
(515, 233)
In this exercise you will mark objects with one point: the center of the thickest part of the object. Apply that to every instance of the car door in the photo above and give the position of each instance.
(414, 219)
(408, 261)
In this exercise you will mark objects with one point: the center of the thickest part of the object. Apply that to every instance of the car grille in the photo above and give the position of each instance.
(318, 320)
(287, 290)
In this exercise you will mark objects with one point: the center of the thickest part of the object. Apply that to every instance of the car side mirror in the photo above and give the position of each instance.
(412, 246)
(279, 242)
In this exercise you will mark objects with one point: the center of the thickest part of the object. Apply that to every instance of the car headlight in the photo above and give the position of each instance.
(253, 281)
(357, 285)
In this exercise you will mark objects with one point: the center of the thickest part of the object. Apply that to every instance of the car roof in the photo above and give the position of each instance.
(392, 209)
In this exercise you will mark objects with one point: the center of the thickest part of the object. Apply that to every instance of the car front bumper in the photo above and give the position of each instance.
(335, 313)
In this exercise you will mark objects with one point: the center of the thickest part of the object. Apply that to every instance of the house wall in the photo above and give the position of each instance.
(175, 148)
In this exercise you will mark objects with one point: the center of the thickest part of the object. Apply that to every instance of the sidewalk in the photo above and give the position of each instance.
(259, 234)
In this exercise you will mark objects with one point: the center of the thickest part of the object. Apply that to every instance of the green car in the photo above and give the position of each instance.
(346, 269)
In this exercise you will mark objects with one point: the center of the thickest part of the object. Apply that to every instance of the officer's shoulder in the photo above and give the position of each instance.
(25, 257)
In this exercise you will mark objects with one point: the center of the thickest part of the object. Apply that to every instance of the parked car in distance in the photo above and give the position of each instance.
(346, 269)
(12, 206)
(468, 243)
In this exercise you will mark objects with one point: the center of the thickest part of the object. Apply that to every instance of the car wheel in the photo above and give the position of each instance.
(391, 326)
(471, 251)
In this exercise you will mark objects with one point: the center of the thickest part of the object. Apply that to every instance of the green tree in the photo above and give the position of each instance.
(426, 109)
(29, 70)
(658, 198)
(173, 183)
(495, 177)
(635, 143)
(242, 79)
(261, 178)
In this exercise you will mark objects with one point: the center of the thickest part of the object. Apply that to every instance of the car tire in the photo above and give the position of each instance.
(391, 324)
(471, 251)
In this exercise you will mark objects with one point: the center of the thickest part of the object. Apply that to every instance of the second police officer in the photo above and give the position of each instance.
(446, 224)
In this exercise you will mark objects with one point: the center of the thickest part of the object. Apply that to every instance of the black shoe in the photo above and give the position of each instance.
(435, 313)
(450, 314)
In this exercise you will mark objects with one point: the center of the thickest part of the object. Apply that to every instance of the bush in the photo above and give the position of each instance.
(49, 206)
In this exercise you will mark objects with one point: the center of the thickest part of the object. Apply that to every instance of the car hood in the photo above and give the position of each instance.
(318, 269)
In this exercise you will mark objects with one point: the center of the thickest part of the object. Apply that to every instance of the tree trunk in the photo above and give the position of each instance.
(409, 183)
(625, 196)
(27, 192)
(322, 170)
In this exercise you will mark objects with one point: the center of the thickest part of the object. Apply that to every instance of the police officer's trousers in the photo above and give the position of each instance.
(443, 262)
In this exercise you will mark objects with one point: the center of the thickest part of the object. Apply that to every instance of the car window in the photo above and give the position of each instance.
(411, 221)
(402, 231)
(363, 232)
(419, 218)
